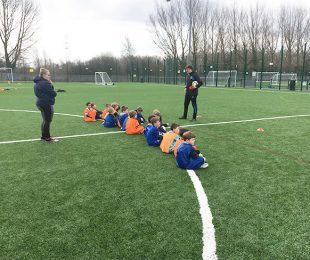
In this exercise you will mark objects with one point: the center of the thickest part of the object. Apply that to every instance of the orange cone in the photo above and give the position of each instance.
(260, 129)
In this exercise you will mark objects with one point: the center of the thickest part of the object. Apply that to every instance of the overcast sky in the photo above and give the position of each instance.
(87, 28)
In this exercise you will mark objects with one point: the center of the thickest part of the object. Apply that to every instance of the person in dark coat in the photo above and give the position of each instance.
(45, 93)
(193, 83)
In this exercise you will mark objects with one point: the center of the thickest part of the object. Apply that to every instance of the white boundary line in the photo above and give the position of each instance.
(208, 230)
(263, 90)
(118, 132)
(248, 120)
(32, 111)
(62, 137)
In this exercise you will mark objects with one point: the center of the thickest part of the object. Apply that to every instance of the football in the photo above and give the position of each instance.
(195, 83)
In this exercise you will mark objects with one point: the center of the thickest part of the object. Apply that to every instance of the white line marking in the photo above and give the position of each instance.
(32, 111)
(208, 231)
(61, 137)
(117, 132)
(248, 120)
(263, 90)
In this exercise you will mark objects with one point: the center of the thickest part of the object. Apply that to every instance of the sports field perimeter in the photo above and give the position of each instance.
(110, 196)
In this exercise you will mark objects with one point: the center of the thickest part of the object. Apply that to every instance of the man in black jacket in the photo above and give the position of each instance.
(193, 82)
(45, 94)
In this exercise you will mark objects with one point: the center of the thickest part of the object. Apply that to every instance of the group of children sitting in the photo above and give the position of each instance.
(179, 141)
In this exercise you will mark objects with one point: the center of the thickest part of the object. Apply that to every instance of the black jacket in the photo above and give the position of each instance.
(44, 92)
(189, 81)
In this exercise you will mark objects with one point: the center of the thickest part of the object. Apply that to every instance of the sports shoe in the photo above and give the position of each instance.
(52, 140)
(193, 119)
(182, 117)
(204, 166)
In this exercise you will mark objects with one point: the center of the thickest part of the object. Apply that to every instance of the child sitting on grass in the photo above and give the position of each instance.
(105, 111)
(187, 157)
(162, 129)
(132, 126)
(182, 130)
(123, 115)
(110, 119)
(140, 117)
(98, 112)
(153, 137)
(89, 113)
(170, 138)
(116, 107)
(149, 125)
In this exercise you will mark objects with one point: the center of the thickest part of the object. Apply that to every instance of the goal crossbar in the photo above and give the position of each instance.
(222, 78)
(102, 78)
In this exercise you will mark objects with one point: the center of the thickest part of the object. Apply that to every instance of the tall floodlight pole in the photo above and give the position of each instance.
(189, 31)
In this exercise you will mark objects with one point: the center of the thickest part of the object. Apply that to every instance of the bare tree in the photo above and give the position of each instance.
(128, 48)
(169, 25)
(17, 20)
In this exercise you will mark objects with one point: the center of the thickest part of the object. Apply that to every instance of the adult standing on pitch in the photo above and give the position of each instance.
(193, 82)
(45, 93)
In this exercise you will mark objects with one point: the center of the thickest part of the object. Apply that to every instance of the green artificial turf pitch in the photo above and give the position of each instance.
(113, 197)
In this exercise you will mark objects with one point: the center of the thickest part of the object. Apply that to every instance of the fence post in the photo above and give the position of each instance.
(245, 65)
(217, 68)
(303, 67)
(230, 67)
(262, 69)
(281, 67)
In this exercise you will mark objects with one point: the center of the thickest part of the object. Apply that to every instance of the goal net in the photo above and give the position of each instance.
(6, 75)
(223, 78)
(265, 77)
(284, 78)
(102, 78)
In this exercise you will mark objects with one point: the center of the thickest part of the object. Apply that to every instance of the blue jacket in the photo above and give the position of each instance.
(188, 158)
(44, 92)
(122, 118)
(152, 137)
(124, 124)
(110, 121)
(140, 118)
(146, 129)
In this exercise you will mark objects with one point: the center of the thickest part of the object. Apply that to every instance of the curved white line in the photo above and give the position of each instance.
(248, 120)
(33, 111)
(208, 231)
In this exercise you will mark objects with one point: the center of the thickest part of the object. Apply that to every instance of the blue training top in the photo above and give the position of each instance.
(122, 118)
(124, 123)
(110, 121)
(152, 137)
(187, 157)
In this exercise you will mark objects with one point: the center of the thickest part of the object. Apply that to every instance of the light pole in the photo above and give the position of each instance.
(189, 60)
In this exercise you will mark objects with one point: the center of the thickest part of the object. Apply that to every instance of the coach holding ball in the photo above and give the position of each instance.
(45, 93)
(193, 82)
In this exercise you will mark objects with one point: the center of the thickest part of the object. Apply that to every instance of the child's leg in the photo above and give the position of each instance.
(196, 163)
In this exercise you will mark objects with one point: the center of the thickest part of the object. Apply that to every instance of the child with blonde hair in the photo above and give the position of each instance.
(110, 119)
(132, 126)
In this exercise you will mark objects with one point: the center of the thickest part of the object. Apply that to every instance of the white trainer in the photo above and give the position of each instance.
(204, 166)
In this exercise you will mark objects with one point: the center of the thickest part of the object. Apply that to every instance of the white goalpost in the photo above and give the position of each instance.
(102, 78)
(285, 78)
(6, 75)
(222, 78)
(265, 77)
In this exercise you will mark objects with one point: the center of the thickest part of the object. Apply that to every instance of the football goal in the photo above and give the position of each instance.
(102, 78)
(6, 75)
(265, 77)
(223, 78)
(284, 78)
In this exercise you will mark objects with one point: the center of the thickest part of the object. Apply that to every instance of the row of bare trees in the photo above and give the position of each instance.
(17, 29)
(231, 31)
